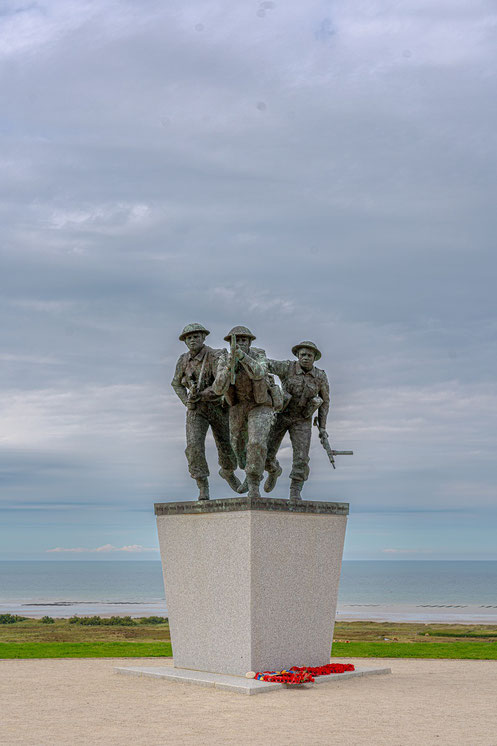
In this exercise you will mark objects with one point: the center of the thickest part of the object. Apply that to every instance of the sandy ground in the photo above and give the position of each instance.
(75, 702)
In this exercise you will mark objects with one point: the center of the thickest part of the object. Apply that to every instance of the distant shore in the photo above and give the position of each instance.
(422, 613)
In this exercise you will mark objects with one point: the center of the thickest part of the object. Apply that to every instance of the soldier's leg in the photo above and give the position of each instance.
(260, 420)
(219, 422)
(300, 436)
(238, 433)
(196, 430)
(276, 435)
(238, 438)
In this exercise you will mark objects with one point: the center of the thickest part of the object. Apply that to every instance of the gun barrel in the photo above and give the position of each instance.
(233, 361)
(343, 453)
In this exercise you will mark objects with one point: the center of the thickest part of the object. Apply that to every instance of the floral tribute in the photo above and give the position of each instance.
(300, 674)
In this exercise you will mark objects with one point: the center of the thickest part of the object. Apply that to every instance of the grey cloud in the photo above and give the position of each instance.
(143, 189)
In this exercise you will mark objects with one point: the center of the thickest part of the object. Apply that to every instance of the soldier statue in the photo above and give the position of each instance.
(243, 378)
(306, 390)
(192, 382)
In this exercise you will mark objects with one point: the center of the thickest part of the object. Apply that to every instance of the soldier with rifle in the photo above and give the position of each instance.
(306, 390)
(244, 380)
(193, 383)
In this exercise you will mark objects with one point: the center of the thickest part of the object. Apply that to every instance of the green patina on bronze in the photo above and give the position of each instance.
(193, 381)
(234, 393)
(243, 379)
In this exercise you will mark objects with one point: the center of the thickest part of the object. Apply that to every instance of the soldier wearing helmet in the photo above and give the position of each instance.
(193, 378)
(306, 389)
(244, 381)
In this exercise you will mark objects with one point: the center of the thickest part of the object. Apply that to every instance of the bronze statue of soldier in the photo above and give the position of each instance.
(306, 390)
(243, 378)
(193, 383)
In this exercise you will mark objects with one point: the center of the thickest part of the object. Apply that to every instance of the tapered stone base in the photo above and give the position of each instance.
(251, 585)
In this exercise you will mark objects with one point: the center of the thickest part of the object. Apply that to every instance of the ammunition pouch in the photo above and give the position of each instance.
(311, 407)
(260, 389)
(276, 394)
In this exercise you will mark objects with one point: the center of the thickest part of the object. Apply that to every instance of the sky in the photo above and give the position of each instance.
(322, 170)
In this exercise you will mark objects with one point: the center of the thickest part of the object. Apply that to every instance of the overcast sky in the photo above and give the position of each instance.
(314, 170)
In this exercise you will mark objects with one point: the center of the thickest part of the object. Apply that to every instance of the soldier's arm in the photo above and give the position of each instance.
(279, 368)
(222, 378)
(324, 392)
(181, 391)
(208, 393)
(256, 367)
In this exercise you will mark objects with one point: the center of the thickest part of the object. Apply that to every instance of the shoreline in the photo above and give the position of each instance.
(420, 613)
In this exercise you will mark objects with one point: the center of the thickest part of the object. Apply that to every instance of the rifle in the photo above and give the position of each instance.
(233, 359)
(323, 437)
(195, 389)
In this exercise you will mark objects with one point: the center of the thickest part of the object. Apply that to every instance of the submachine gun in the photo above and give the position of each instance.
(323, 437)
(195, 387)
(233, 359)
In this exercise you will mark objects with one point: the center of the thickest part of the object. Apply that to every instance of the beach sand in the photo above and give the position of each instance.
(423, 613)
(83, 702)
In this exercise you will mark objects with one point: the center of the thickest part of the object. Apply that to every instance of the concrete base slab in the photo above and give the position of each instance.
(238, 684)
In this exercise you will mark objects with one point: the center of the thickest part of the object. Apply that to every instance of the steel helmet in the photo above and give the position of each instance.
(239, 331)
(190, 328)
(308, 344)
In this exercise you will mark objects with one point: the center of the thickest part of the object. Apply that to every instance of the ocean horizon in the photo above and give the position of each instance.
(389, 590)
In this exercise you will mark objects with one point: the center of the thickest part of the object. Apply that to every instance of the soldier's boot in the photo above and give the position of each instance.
(295, 489)
(231, 478)
(272, 478)
(253, 487)
(243, 487)
(203, 487)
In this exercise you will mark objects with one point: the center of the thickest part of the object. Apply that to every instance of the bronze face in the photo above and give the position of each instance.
(243, 342)
(306, 358)
(195, 341)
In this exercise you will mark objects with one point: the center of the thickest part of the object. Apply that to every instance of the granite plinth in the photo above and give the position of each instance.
(251, 585)
(238, 684)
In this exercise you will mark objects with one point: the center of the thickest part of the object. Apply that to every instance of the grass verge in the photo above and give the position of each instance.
(122, 649)
(457, 650)
(33, 638)
(119, 649)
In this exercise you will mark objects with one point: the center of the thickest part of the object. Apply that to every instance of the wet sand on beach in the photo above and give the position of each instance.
(84, 702)
(424, 613)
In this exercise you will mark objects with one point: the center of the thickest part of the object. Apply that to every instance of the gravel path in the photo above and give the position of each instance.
(83, 702)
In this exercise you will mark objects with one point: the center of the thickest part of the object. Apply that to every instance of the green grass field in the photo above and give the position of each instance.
(35, 639)
(121, 649)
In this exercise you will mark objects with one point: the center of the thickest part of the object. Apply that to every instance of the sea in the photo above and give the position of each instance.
(424, 591)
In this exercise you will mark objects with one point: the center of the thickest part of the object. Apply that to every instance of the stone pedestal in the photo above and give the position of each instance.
(251, 585)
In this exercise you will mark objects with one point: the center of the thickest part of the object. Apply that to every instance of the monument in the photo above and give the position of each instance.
(251, 582)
